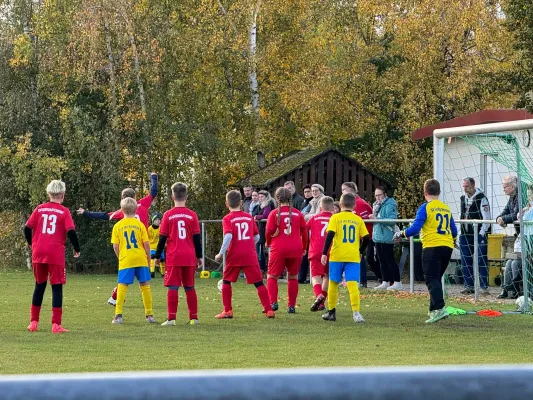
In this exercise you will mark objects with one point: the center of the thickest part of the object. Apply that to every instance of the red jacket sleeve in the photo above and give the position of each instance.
(146, 201)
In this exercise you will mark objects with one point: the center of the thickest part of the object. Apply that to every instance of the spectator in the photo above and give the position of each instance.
(474, 205)
(255, 202)
(363, 209)
(247, 198)
(383, 237)
(308, 196)
(267, 204)
(336, 207)
(297, 200)
(510, 212)
(512, 277)
(317, 191)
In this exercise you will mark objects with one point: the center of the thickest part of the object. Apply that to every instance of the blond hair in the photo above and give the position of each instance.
(55, 188)
(128, 206)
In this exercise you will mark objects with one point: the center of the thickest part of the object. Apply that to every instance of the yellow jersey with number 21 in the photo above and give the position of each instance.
(436, 225)
(130, 235)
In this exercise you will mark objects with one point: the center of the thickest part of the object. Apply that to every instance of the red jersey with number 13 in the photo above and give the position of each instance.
(49, 223)
(241, 251)
(317, 226)
(179, 225)
(291, 240)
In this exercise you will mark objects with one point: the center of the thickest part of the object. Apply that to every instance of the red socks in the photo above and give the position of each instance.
(192, 303)
(325, 293)
(262, 292)
(317, 289)
(272, 286)
(34, 313)
(57, 314)
(226, 296)
(292, 288)
(172, 304)
(114, 294)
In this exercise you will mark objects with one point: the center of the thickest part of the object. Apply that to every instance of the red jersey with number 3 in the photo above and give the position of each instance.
(179, 225)
(241, 251)
(291, 240)
(317, 226)
(49, 223)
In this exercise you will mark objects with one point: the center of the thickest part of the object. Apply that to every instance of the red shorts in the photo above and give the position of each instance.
(252, 273)
(276, 265)
(317, 268)
(56, 272)
(179, 276)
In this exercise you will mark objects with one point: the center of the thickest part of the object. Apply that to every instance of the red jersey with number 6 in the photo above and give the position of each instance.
(241, 251)
(49, 223)
(291, 240)
(179, 225)
(317, 226)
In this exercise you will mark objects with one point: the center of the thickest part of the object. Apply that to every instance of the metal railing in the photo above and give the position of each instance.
(401, 383)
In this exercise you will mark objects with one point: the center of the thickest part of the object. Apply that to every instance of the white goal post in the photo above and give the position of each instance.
(511, 128)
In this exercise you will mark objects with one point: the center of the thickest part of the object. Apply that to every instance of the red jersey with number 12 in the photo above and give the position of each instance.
(49, 223)
(317, 226)
(291, 240)
(241, 251)
(179, 225)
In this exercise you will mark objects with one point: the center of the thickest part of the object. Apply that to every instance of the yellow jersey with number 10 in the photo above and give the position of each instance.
(130, 235)
(349, 228)
(439, 228)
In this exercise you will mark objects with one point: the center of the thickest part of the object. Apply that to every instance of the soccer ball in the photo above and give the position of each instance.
(520, 302)
(219, 285)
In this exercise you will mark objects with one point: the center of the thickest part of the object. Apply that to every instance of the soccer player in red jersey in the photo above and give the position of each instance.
(46, 231)
(141, 214)
(317, 226)
(240, 236)
(180, 231)
(286, 235)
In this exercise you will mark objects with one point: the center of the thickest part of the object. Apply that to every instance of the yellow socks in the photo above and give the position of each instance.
(162, 268)
(121, 296)
(152, 266)
(333, 294)
(353, 289)
(147, 299)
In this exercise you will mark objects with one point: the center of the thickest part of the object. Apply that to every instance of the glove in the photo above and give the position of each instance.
(398, 235)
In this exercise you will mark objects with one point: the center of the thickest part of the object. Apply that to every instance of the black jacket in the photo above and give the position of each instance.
(297, 201)
(473, 212)
(510, 212)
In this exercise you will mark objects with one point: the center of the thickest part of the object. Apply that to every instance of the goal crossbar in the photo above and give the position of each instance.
(497, 127)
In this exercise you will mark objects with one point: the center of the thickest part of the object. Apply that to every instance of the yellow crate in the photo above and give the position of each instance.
(494, 249)
(494, 272)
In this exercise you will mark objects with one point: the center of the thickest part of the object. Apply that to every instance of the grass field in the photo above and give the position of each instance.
(394, 333)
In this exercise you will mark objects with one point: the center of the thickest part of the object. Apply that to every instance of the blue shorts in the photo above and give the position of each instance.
(352, 271)
(152, 252)
(126, 276)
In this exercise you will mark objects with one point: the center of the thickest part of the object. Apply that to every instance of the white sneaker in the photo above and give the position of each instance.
(395, 286)
(357, 318)
(384, 285)
(112, 302)
(169, 323)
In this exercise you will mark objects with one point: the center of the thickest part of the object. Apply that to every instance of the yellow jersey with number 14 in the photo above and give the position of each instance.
(435, 223)
(130, 235)
(349, 228)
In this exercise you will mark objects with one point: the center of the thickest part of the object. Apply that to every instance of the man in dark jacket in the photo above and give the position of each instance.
(474, 205)
(247, 190)
(297, 200)
(510, 212)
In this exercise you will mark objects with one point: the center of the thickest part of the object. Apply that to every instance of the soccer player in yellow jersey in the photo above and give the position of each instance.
(349, 236)
(130, 242)
(438, 232)
(153, 238)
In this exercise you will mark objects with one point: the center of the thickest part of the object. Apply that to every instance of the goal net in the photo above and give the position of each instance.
(483, 169)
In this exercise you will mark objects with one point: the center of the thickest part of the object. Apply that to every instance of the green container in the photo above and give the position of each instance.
(216, 275)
